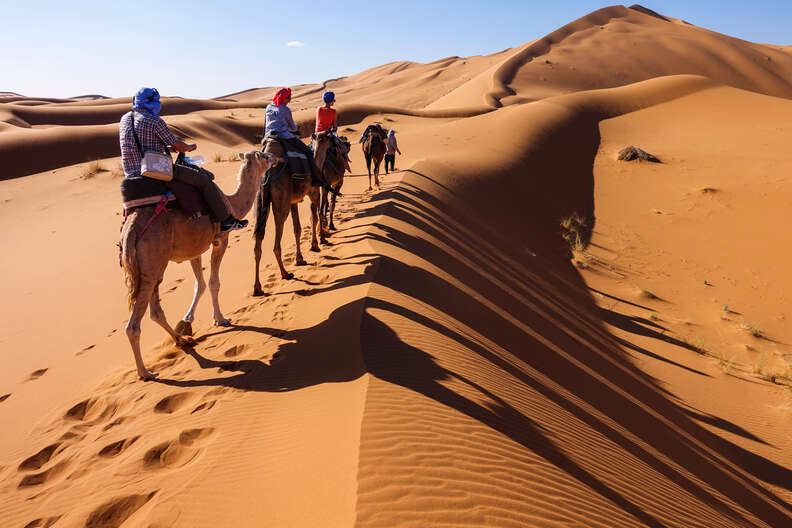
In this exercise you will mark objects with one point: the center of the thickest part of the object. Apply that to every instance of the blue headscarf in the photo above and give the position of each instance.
(147, 99)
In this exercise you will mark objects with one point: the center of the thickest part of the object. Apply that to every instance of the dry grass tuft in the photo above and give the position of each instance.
(697, 344)
(708, 190)
(92, 169)
(572, 228)
(634, 153)
(648, 294)
(217, 157)
(118, 171)
(233, 157)
(752, 328)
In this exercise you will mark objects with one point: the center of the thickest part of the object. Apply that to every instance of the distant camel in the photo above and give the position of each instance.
(333, 171)
(172, 236)
(284, 193)
(374, 150)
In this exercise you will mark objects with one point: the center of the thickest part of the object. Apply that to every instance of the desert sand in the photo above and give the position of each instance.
(516, 329)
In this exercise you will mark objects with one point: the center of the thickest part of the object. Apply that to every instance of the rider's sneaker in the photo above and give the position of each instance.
(231, 223)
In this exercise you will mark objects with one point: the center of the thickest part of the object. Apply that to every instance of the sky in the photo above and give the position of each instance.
(209, 49)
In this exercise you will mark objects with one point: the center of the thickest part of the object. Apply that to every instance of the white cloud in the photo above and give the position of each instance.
(295, 44)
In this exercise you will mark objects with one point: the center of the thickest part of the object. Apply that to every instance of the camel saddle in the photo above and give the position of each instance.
(142, 191)
(297, 164)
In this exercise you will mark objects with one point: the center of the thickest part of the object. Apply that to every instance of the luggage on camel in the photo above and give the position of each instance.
(143, 191)
(297, 164)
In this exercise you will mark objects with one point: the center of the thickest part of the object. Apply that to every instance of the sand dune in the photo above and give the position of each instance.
(516, 330)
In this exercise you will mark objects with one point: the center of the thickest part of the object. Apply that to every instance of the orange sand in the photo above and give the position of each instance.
(450, 360)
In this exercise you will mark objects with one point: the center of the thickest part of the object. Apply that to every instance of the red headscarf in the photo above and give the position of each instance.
(281, 96)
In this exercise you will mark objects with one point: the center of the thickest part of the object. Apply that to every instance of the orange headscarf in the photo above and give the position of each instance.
(281, 96)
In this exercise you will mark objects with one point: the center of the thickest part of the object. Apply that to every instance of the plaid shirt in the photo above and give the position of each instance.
(153, 134)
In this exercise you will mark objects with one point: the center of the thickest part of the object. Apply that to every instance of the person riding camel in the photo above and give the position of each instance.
(326, 119)
(151, 134)
(280, 123)
(375, 126)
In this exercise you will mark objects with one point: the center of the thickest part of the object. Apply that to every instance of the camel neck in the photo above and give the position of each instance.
(241, 201)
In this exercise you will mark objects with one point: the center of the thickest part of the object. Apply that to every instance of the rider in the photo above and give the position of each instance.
(326, 119)
(154, 135)
(280, 123)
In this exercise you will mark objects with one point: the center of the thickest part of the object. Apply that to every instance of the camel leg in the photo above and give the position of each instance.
(368, 169)
(219, 247)
(295, 214)
(333, 206)
(158, 316)
(279, 214)
(257, 291)
(376, 173)
(133, 327)
(184, 327)
(316, 225)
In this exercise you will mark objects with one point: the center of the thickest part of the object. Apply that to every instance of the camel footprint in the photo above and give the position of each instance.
(174, 402)
(43, 522)
(116, 448)
(176, 453)
(114, 512)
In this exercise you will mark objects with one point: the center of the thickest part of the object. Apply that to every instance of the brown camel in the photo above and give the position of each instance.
(333, 172)
(283, 193)
(172, 236)
(374, 150)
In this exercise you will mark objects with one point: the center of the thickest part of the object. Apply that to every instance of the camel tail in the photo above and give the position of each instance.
(129, 260)
(263, 201)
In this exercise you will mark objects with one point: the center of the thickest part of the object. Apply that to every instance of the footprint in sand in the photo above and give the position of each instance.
(36, 374)
(176, 453)
(205, 406)
(37, 461)
(4, 397)
(43, 522)
(116, 448)
(37, 479)
(86, 349)
(92, 410)
(114, 512)
(234, 351)
(174, 402)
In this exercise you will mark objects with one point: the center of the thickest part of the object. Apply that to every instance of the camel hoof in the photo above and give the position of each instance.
(258, 292)
(315, 249)
(301, 263)
(148, 376)
(184, 328)
(288, 276)
(185, 341)
(222, 322)
(332, 227)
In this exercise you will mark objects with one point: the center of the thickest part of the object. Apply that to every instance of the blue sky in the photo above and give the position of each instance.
(208, 49)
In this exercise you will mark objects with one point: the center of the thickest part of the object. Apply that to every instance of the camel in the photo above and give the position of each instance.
(283, 193)
(374, 150)
(172, 236)
(333, 172)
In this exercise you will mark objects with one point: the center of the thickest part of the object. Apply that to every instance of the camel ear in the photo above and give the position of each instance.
(313, 136)
(241, 156)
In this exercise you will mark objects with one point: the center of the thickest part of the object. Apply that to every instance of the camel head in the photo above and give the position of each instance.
(257, 163)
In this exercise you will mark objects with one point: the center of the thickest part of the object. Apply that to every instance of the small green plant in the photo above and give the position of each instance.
(726, 364)
(654, 317)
